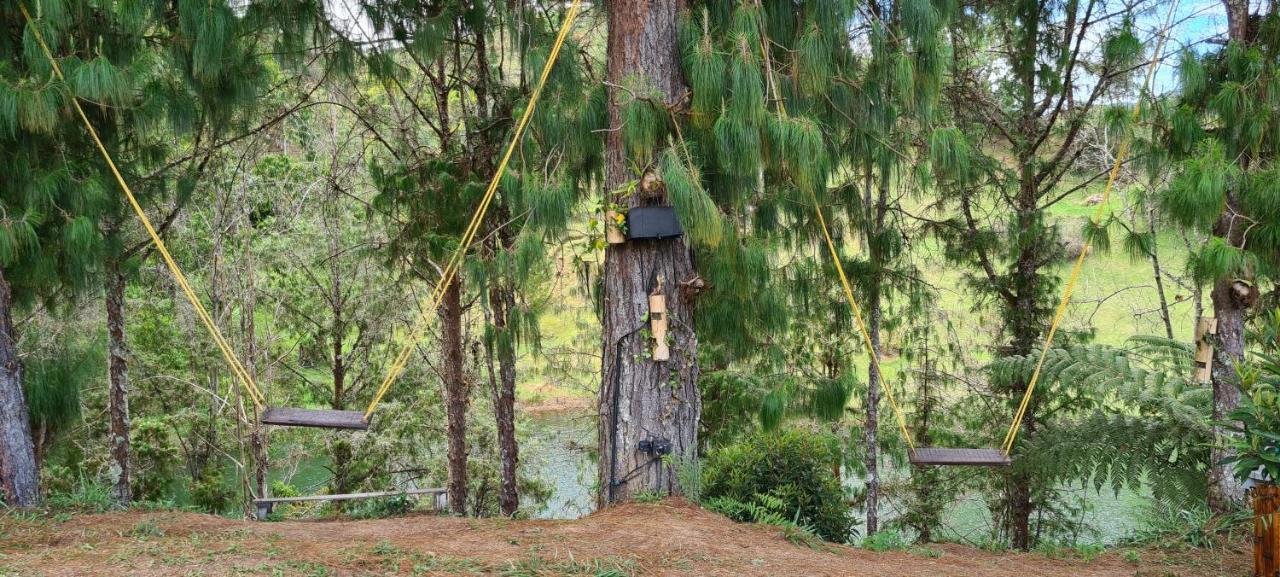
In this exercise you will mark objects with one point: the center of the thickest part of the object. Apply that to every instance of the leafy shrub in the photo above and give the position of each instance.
(648, 496)
(689, 478)
(283, 489)
(87, 495)
(210, 493)
(1196, 526)
(888, 540)
(766, 510)
(393, 506)
(1257, 445)
(155, 458)
(793, 467)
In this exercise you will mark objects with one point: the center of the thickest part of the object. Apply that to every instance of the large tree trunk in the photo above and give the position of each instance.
(118, 375)
(1237, 19)
(19, 478)
(504, 401)
(1229, 308)
(1230, 301)
(640, 399)
(456, 395)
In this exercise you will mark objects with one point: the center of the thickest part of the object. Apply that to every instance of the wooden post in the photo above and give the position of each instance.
(1205, 326)
(1266, 533)
(658, 324)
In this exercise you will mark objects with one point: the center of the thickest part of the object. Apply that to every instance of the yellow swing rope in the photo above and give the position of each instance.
(243, 375)
(455, 261)
(1122, 151)
(886, 386)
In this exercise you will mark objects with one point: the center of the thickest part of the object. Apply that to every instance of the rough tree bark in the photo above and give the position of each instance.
(456, 395)
(643, 400)
(19, 479)
(501, 292)
(875, 312)
(118, 376)
(1229, 307)
(504, 403)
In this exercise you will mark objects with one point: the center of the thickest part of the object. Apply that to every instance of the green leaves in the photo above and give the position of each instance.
(950, 154)
(1191, 76)
(1121, 48)
(645, 122)
(812, 61)
(8, 111)
(37, 108)
(1197, 194)
(1217, 259)
(99, 81)
(698, 212)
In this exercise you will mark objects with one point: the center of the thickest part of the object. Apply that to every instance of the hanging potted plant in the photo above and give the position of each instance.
(1256, 461)
(615, 224)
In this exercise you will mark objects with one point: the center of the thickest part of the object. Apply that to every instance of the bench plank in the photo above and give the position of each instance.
(322, 418)
(961, 457)
(265, 506)
(349, 496)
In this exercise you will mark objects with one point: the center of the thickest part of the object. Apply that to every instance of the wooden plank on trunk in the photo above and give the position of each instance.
(1266, 535)
(1205, 326)
(959, 457)
(321, 418)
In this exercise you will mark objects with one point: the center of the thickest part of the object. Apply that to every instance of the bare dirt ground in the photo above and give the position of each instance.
(668, 538)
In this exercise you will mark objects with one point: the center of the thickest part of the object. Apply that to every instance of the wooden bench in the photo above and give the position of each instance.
(322, 418)
(961, 457)
(264, 506)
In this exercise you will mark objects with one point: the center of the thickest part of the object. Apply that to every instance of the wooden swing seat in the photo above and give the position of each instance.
(959, 457)
(320, 418)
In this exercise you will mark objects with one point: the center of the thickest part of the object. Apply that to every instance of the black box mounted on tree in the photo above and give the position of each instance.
(653, 223)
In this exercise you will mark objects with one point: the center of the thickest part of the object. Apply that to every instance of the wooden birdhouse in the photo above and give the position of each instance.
(1205, 326)
(658, 324)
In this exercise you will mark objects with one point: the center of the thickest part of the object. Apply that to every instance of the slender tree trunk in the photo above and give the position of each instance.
(871, 428)
(504, 405)
(118, 375)
(875, 312)
(248, 328)
(640, 399)
(1159, 276)
(19, 477)
(456, 395)
(501, 293)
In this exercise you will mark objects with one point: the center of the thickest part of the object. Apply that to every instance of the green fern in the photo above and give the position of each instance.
(1152, 425)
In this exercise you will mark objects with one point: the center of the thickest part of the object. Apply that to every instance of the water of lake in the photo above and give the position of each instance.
(556, 448)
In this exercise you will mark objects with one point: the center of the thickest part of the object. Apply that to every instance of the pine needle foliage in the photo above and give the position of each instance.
(1224, 136)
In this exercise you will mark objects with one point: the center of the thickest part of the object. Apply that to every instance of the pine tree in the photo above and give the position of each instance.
(1221, 131)
(642, 399)
(1030, 105)
(433, 180)
(55, 192)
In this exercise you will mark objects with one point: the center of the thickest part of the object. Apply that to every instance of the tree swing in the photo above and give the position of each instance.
(305, 417)
(988, 456)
